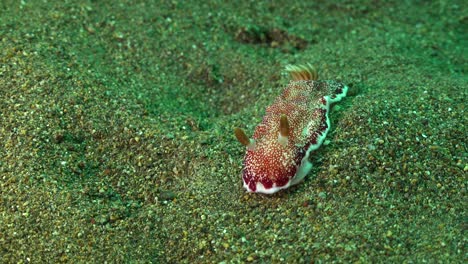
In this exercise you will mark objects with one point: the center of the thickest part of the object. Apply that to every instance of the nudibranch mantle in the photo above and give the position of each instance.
(293, 126)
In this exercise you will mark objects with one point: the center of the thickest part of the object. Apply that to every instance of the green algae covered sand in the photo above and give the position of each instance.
(116, 139)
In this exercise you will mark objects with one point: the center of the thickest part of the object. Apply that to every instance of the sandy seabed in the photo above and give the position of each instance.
(116, 139)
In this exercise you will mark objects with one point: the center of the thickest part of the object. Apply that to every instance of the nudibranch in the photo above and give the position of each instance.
(293, 126)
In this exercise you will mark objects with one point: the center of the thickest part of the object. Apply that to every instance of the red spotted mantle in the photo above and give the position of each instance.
(294, 125)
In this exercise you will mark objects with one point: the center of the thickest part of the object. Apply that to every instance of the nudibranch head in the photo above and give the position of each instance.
(294, 125)
(273, 162)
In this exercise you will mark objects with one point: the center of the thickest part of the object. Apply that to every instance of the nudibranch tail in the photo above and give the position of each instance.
(294, 126)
